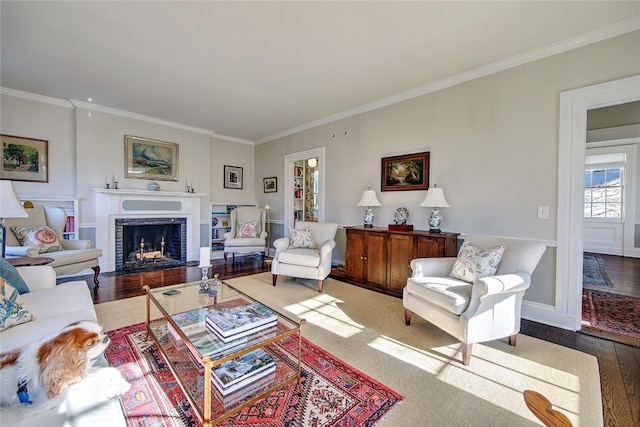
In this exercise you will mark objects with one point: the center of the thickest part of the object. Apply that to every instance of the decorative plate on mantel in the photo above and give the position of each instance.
(400, 216)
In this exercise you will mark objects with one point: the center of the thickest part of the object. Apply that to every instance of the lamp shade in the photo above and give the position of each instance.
(435, 199)
(369, 198)
(10, 206)
(267, 207)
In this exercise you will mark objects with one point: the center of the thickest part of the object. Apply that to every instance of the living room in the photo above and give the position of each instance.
(493, 135)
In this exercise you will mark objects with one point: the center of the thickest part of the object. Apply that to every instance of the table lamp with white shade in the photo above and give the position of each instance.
(368, 200)
(435, 200)
(10, 207)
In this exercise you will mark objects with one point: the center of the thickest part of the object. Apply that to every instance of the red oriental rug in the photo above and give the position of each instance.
(612, 313)
(333, 393)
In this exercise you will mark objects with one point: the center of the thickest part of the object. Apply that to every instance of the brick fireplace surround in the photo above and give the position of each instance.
(140, 204)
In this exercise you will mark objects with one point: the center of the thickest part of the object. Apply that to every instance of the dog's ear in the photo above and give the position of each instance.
(63, 360)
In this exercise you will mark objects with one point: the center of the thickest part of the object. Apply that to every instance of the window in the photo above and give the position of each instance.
(603, 192)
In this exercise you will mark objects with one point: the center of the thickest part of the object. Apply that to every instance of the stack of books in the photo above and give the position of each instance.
(232, 323)
(244, 374)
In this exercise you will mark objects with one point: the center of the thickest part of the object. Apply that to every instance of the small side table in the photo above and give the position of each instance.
(27, 260)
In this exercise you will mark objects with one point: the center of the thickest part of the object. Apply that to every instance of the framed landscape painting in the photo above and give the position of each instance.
(24, 159)
(150, 159)
(407, 172)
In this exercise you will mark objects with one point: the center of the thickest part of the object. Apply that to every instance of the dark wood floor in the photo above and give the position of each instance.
(619, 363)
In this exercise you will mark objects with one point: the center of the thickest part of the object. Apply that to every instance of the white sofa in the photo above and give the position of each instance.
(76, 255)
(54, 307)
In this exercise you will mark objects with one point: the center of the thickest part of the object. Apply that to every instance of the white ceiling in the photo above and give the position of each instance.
(257, 70)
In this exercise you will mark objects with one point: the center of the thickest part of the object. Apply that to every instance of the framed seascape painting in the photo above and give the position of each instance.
(150, 159)
(407, 172)
(233, 177)
(24, 159)
(270, 184)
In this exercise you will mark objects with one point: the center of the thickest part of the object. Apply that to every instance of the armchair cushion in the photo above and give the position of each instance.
(43, 238)
(450, 294)
(300, 256)
(301, 238)
(474, 263)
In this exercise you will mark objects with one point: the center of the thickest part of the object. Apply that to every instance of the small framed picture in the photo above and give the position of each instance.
(270, 184)
(233, 177)
(24, 159)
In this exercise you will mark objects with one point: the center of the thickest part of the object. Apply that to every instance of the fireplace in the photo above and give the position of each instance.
(157, 213)
(144, 243)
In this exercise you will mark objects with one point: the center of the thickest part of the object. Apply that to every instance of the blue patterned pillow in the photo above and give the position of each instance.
(12, 313)
(9, 273)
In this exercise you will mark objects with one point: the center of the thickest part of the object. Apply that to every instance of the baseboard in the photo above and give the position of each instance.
(546, 314)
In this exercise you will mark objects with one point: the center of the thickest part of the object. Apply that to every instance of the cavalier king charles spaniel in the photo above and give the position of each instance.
(42, 370)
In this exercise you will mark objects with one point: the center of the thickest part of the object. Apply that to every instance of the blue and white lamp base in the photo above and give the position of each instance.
(435, 221)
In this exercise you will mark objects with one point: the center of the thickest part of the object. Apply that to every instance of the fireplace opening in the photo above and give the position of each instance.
(149, 243)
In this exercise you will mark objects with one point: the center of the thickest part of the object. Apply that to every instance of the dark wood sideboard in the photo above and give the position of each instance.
(378, 259)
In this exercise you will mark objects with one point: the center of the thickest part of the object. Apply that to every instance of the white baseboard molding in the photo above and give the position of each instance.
(632, 253)
(606, 250)
(546, 314)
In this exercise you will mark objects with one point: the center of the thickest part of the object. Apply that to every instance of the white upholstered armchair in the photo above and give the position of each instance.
(248, 233)
(488, 308)
(297, 256)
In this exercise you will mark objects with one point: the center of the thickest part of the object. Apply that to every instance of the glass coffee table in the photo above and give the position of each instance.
(195, 354)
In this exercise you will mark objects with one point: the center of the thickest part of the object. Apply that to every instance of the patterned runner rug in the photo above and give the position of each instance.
(613, 313)
(333, 393)
(593, 272)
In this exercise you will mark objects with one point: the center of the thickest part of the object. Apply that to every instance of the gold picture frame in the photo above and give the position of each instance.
(150, 159)
(24, 159)
(405, 173)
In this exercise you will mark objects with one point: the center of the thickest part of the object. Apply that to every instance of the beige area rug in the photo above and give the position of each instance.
(366, 329)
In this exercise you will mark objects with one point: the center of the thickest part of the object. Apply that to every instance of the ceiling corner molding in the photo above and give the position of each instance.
(233, 139)
(591, 37)
(136, 116)
(34, 97)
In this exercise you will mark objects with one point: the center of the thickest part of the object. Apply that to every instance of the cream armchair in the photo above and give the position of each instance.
(75, 256)
(306, 263)
(254, 220)
(485, 310)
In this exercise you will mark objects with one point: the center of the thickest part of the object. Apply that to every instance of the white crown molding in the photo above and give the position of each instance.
(585, 39)
(136, 116)
(232, 139)
(34, 97)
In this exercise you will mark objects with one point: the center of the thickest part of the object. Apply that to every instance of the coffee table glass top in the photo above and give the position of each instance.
(188, 346)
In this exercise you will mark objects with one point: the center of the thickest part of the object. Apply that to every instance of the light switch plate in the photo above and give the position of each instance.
(543, 212)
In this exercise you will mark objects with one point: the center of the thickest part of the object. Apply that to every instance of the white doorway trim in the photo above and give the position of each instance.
(574, 105)
(289, 161)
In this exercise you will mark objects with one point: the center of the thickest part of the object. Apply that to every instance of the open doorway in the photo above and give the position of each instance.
(304, 186)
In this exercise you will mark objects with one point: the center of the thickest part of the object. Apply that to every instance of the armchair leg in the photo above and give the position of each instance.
(466, 353)
(320, 285)
(96, 271)
(512, 340)
(225, 258)
(407, 316)
(274, 278)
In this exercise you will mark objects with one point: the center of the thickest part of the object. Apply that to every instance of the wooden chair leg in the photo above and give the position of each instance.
(96, 271)
(512, 340)
(274, 278)
(225, 258)
(466, 353)
(407, 316)
(320, 285)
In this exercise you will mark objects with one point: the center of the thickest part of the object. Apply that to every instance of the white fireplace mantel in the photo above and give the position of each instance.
(117, 204)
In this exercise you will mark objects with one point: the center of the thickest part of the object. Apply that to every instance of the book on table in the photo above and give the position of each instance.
(235, 374)
(244, 393)
(207, 343)
(234, 322)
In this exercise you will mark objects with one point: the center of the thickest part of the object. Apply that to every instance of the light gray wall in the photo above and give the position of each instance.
(493, 144)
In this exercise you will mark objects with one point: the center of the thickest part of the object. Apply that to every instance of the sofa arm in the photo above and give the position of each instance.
(506, 283)
(38, 277)
(76, 244)
(21, 251)
(433, 267)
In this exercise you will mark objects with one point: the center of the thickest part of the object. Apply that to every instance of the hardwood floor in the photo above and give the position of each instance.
(624, 273)
(619, 364)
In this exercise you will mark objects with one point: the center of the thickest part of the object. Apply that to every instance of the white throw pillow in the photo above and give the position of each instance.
(474, 263)
(300, 238)
(247, 229)
(43, 238)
